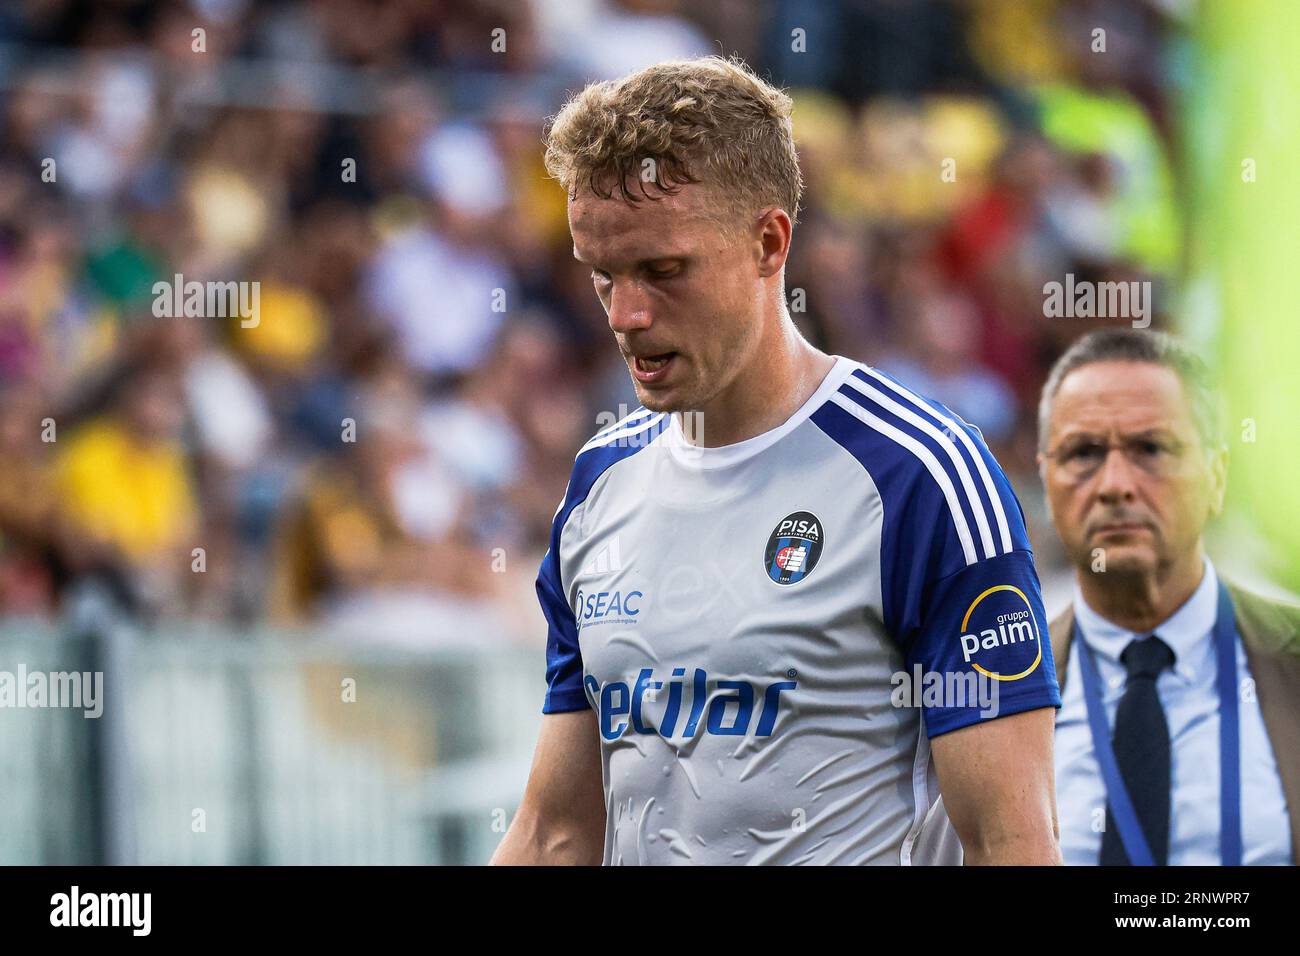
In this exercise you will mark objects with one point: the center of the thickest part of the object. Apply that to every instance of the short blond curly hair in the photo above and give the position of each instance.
(709, 120)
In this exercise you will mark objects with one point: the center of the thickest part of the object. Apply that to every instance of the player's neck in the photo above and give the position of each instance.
(1142, 602)
(764, 395)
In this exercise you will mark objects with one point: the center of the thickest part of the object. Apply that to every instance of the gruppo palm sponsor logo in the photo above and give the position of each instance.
(999, 634)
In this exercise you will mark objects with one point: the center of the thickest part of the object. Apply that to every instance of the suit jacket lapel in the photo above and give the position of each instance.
(1270, 639)
(1062, 630)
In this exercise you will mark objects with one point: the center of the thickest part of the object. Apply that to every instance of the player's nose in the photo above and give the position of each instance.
(629, 311)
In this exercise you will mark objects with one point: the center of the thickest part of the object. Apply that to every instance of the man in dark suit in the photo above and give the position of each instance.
(1178, 737)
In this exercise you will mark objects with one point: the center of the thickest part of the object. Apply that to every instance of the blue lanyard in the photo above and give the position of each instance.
(1121, 805)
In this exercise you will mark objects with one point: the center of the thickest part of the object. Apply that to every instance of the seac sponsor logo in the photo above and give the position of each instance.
(999, 634)
(686, 707)
(607, 607)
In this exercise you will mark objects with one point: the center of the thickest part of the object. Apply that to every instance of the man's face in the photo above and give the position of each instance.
(683, 295)
(1126, 470)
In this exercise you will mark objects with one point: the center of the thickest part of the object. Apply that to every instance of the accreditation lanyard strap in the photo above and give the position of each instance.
(1121, 805)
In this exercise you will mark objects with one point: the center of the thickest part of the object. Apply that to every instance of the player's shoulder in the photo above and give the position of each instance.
(893, 428)
(611, 445)
(621, 440)
(626, 432)
(924, 459)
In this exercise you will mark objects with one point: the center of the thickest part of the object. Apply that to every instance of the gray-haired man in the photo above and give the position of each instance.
(1178, 739)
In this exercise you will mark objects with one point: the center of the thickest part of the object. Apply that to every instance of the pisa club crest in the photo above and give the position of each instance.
(794, 548)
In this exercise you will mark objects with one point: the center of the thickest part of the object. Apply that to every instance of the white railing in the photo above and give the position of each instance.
(274, 748)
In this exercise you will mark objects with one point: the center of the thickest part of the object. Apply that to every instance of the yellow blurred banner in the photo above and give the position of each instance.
(1243, 124)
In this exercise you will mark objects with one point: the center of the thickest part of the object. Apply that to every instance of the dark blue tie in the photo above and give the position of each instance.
(1141, 742)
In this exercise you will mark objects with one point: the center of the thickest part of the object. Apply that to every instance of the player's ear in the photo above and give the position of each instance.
(773, 232)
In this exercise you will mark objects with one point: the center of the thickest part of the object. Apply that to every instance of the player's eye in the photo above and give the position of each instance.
(665, 271)
(599, 276)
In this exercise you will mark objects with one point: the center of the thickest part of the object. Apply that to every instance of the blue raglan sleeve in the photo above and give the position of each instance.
(965, 603)
(564, 691)
(564, 667)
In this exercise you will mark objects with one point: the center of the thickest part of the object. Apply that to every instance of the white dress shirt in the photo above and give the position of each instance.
(1189, 695)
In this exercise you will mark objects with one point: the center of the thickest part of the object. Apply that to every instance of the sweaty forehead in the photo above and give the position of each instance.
(1121, 398)
(615, 228)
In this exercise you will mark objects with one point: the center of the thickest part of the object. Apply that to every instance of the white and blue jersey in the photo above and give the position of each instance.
(771, 631)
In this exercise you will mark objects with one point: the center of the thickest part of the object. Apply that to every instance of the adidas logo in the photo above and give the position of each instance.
(605, 561)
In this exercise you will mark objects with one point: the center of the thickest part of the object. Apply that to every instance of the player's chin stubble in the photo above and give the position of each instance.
(667, 400)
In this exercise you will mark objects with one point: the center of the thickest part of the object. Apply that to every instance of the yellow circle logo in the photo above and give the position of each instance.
(1013, 627)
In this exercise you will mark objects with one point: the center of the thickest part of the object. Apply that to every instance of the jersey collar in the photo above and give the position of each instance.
(724, 456)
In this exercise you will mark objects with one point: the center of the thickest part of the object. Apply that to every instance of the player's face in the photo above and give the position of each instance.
(682, 294)
(1126, 470)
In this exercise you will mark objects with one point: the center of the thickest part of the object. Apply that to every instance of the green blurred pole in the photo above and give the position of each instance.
(1243, 122)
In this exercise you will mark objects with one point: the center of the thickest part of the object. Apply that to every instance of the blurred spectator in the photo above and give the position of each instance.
(33, 537)
(940, 360)
(123, 481)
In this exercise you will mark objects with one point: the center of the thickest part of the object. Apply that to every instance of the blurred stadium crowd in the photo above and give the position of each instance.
(958, 155)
